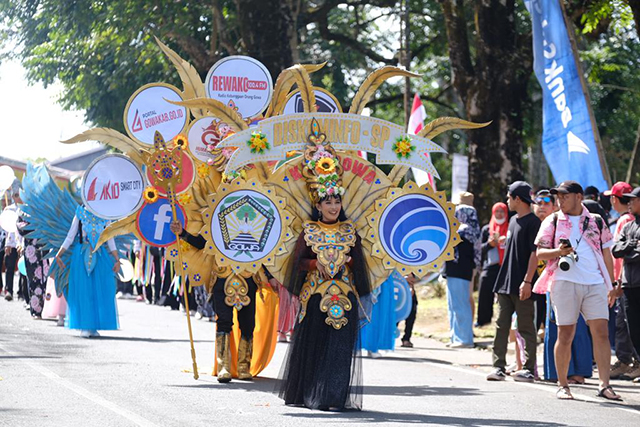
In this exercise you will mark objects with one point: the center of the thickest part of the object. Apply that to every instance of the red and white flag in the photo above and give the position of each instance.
(416, 123)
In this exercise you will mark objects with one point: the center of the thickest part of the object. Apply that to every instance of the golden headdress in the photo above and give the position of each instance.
(322, 169)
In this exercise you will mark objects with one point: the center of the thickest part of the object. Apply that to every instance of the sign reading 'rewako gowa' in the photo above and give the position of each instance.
(204, 134)
(242, 82)
(112, 187)
(148, 111)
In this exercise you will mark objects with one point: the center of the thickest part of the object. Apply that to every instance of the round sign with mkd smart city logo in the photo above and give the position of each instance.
(112, 187)
(153, 222)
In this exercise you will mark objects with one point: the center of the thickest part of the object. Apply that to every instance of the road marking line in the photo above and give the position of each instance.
(137, 419)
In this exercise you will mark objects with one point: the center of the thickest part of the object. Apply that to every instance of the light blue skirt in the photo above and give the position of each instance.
(91, 299)
(379, 333)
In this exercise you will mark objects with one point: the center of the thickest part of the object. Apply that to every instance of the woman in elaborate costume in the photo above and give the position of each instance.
(91, 293)
(329, 274)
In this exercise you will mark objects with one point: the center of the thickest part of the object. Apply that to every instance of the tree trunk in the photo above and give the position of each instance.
(492, 85)
(267, 29)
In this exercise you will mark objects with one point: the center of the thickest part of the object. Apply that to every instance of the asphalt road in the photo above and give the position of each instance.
(139, 375)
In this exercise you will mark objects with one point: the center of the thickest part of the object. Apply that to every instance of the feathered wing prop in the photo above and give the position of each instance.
(372, 83)
(284, 83)
(135, 150)
(192, 86)
(51, 212)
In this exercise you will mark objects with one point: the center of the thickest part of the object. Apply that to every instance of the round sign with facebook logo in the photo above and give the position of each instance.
(112, 187)
(153, 222)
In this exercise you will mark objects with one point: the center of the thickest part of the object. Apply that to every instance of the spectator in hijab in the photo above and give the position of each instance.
(493, 238)
(459, 273)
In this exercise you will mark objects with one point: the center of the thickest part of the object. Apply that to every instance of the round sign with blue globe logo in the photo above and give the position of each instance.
(414, 230)
(153, 222)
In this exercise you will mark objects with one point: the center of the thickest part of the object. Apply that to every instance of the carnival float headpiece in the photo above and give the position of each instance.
(322, 169)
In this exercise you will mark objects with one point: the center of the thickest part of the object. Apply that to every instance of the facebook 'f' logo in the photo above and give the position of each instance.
(154, 220)
(161, 218)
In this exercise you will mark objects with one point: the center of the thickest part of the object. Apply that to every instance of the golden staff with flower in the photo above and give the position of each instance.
(166, 166)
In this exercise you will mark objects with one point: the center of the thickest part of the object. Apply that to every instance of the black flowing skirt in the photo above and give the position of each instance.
(322, 369)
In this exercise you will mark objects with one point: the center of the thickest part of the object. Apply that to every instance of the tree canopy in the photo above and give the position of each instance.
(475, 59)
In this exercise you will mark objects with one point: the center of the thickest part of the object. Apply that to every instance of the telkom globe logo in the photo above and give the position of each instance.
(154, 220)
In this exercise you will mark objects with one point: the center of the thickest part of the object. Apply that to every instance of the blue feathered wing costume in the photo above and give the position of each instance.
(88, 281)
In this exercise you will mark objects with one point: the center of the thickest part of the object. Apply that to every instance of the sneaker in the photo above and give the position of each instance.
(374, 355)
(60, 321)
(407, 344)
(8, 297)
(636, 380)
(523, 376)
(119, 295)
(85, 334)
(513, 368)
(632, 373)
(618, 369)
(497, 375)
(94, 334)
(199, 316)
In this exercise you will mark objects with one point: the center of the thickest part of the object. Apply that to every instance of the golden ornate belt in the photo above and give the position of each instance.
(335, 301)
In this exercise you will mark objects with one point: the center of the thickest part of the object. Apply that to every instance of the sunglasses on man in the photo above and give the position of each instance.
(545, 199)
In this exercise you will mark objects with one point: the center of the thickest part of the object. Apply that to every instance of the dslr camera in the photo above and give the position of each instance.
(567, 261)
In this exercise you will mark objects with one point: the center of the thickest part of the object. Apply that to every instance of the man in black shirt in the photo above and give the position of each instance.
(513, 284)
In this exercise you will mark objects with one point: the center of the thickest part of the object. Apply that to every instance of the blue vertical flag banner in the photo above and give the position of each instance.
(568, 141)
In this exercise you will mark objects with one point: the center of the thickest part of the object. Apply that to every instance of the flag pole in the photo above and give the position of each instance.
(585, 91)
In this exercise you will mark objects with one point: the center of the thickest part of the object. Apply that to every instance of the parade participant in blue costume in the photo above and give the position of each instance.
(379, 333)
(91, 293)
(86, 278)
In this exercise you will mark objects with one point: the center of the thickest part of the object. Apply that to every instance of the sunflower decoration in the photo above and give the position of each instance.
(150, 194)
(403, 147)
(258, 142)
(184, 199)
(180, 142)
(203, 169)
(322, 167)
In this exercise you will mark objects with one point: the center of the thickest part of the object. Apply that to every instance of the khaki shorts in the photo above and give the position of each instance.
(569, 299)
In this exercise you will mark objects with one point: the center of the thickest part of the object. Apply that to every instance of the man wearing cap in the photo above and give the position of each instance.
(579, 275)
(627, 247)
(627, 365)
(513, 284)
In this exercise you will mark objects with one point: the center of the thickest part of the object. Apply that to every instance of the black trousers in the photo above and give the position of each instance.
(632, 309)
(10, 265)
(246, 316)
(624, 348)
(411, 320)
(157, 276)
(486, 295)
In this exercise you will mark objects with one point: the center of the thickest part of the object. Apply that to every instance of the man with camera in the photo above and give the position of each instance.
(579, 273)
(627, 247)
